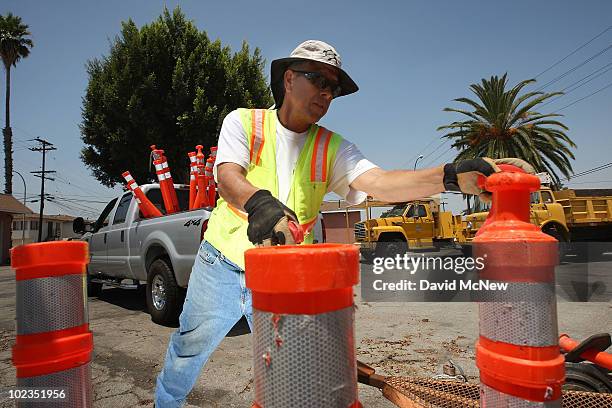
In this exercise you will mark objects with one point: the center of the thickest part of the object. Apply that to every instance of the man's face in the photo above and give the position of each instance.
(304, 96)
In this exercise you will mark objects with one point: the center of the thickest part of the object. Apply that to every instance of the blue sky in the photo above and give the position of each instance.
(410, 59)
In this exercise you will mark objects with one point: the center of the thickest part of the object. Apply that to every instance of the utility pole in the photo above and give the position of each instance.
(44, 148)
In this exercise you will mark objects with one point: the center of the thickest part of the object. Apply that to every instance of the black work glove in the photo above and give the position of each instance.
(269, 220)
(463, 176)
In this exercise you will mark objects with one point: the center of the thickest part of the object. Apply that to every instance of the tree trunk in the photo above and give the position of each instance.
(8, 139)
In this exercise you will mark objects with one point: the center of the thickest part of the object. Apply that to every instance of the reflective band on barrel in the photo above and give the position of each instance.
(493, 398)
(65, 304)
(304, 360)
(76, 382)
(158, 167)
(164, 164)
(524, 314)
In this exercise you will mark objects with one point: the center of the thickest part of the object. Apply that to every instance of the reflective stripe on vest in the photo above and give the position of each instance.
(318, 165)
(257, 135)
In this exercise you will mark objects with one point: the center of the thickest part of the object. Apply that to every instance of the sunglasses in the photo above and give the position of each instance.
(321, 82)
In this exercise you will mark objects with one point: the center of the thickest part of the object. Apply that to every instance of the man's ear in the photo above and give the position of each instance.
(288, 80)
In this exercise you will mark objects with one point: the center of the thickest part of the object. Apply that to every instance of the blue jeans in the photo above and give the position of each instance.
(217, 298)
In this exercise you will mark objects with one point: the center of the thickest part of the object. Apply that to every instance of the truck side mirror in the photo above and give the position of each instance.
(78, 225)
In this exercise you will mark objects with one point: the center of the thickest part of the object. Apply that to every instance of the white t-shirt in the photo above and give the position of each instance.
(350, 163)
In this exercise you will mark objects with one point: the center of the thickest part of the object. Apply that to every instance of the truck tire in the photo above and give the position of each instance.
(390, 248)
(164, 296)
(94, 289)
(555, 232)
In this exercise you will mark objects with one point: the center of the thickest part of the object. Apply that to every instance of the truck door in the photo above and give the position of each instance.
(97, 241)
(418, 225)
(425, 222)
(117, 251)
(539, 212)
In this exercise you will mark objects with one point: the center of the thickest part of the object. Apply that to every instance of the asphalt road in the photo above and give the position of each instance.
(395, 338)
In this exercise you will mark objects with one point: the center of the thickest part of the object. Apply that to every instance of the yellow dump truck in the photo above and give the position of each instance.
(568, 215)
(413, 225)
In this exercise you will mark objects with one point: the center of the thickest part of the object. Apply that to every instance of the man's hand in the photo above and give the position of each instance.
(269, 220)
(463, 176)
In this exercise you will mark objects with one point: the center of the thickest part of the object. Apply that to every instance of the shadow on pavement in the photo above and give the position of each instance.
(135, 300)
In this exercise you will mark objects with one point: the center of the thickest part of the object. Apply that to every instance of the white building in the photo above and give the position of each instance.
(54, 228)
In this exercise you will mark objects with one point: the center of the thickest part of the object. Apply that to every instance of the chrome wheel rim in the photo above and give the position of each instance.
(158, 292)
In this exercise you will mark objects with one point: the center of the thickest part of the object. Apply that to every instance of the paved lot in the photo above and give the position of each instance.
(395, 338)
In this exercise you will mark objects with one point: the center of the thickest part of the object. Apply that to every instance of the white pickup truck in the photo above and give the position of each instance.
(159, 251)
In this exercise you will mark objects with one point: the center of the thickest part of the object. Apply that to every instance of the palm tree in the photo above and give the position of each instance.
(13, 46)
(504, 124)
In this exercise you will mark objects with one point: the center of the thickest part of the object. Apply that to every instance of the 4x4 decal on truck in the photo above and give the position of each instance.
(193, 222)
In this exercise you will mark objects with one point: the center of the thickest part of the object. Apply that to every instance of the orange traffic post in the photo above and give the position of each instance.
(210, 182)
(166, 184)
(601, 358)
(303, 318)
(156, 155)
(517, 352)
(53, 348)
(202, 197)
(144, 204)
(170, 185)
(199, 155)
(193, 173)
(213, 152)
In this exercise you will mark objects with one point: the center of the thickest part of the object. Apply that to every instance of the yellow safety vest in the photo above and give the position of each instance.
(227, 226)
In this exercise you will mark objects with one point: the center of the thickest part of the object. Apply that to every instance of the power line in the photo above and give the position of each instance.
(437, 157)
(585, 97)
(590, 171)
(574, 68)
(580, 80)
(573, 52)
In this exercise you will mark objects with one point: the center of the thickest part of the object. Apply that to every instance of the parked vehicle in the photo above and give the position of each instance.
(159, 251)
(416, 224)
(568, 215)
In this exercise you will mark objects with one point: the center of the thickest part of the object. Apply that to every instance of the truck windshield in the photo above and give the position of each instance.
(396, 211)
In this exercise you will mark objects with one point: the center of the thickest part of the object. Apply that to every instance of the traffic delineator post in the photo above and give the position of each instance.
(53, 345)
(303, 318)
(166, 184)
(193, 182)
(199, 155)
(517, 352)
(144, 204)
(211, 186)
(202, 196)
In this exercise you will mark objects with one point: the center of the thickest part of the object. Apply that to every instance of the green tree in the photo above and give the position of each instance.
(14, 45)
(503, 123)
(165, 84)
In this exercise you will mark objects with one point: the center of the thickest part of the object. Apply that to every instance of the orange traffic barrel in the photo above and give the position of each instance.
(54, 345)
(517, 352)
(303, 325)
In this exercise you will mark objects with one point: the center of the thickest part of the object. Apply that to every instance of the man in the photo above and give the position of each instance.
(273, 166)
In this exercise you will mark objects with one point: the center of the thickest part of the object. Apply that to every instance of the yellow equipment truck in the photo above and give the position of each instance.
(413, 225)
(568, 215)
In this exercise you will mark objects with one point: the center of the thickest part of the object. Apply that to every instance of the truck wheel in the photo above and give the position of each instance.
(388, 249)
(554, 232)
(164, 296)
(93, 288)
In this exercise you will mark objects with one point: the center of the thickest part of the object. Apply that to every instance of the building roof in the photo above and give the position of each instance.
(337, 206)
(10, 205)
(46, 217)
